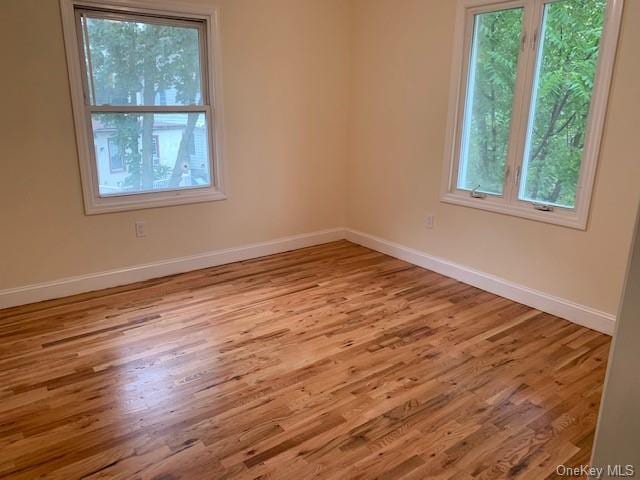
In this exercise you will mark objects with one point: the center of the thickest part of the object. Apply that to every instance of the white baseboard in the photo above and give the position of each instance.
(580, 314)
(123, 276)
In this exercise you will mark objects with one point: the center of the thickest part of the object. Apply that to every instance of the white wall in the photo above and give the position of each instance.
(618, 431)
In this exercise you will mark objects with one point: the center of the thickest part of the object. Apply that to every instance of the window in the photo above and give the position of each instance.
(143, 79)
(528, 104)
(116, 161)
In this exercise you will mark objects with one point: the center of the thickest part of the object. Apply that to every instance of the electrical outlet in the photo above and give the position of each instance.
(141, 229)
(429, 221)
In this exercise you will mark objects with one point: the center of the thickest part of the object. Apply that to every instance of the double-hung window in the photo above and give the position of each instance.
(145, 89)
(531, 80)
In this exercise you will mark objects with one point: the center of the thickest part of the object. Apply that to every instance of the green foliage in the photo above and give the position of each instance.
(132, 63)
(570, 53)
(126, 137)
(493, 78)
(161, 171)
(572, 31)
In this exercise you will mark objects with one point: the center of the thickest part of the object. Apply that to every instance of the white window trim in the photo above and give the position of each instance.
(508, 203)
(93, 202)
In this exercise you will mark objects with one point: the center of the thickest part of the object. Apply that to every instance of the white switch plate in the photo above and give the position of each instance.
(141, 229)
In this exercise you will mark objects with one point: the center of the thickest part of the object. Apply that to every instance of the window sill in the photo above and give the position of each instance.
(98, 205)
(560, 216)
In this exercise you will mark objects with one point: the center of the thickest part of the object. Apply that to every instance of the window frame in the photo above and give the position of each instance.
(158, 11)
(508, 203)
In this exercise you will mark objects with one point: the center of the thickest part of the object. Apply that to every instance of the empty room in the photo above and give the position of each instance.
(319, 239)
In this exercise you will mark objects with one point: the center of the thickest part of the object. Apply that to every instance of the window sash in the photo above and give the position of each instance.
(508, 202)
(519, 99)
(107, 14)
(160, 190)
(466, 109)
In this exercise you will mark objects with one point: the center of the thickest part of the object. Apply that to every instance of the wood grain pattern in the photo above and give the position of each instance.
(331, 362)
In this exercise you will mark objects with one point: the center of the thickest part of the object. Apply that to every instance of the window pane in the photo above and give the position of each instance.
(567, 61)
(150, 152)
(491, 82)
(137, 63)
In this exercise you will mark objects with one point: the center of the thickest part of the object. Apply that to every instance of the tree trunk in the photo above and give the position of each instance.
(147, 154)
(541, 152)
(553, 198)
(183, 150)
(149, 94)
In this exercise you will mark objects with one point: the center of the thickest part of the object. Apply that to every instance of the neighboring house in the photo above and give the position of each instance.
(167, 135)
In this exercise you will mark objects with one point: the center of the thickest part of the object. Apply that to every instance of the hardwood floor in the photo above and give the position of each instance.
(332, 362)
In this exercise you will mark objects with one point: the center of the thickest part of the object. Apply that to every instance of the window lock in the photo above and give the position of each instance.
(476, 194)
(543, 207)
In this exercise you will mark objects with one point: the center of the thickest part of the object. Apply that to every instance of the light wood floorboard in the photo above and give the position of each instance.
(331, 362)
